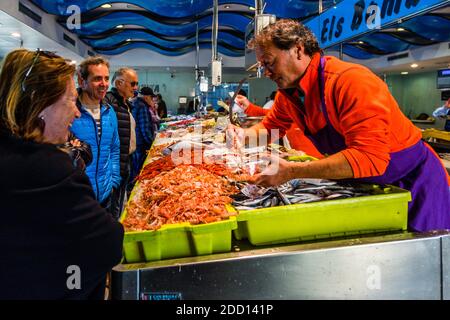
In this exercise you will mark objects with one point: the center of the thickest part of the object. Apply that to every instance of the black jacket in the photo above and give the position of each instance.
(121, 107)
(50, 222)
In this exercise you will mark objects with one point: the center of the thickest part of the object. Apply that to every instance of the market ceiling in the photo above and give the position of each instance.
(169, 26)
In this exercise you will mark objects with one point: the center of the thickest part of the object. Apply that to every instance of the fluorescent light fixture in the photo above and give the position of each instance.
(414, 65)
(106, 6)
(15, 34)
(404, 72)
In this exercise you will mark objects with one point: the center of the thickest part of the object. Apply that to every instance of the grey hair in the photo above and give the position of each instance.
(120, 72)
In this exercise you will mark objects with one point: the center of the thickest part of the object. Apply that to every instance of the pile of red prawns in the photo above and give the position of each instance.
(186, 193)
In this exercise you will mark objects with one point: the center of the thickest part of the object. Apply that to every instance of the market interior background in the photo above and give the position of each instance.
(159, 39)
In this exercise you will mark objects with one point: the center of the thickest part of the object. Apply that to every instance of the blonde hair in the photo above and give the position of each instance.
(30, 81)
(284, 34)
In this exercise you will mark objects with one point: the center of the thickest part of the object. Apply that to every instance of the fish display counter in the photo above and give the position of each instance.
(193, 222)
(390, 266)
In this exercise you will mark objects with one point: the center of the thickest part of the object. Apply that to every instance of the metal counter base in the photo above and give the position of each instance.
(392, 266)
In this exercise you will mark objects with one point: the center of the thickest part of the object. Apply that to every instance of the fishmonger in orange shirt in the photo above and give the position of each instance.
(351, 117)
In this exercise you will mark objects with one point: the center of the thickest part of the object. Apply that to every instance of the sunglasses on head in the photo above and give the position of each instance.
(39, 52)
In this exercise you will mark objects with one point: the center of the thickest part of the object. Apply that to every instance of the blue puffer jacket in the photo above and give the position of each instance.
(104, 171)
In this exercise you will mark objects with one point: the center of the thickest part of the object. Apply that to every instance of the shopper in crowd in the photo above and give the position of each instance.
(125, 83)
(193, 106)
(349, 115)
(444, 112)
(57, 241)
(145, 129)
(98, 127)
(154, 111)
(162, 107)
(269, 103)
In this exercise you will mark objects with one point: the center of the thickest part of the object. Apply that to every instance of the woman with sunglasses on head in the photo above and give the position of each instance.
(58, 243)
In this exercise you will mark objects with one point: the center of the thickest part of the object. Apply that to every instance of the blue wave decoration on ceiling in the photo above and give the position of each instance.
(142, 35)
(114, 19)
(187, 8)
(169, 26)
(121, 48)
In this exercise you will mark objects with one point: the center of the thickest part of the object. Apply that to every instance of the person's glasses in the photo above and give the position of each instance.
(132, 83)
(48, 54)
(267, 66)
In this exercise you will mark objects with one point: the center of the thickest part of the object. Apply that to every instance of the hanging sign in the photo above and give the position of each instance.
(351, 18)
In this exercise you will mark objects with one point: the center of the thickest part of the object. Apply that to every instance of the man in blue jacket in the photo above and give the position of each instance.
(98, 127)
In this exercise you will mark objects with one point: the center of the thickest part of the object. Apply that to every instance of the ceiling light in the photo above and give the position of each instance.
(404, 72)
(361, 42)
(74, 62)
(128, 40)
(15, 34)
(227, 7)
(414, 65)
(400, 29)
(106, 6)
(119, 26)
(252, 8)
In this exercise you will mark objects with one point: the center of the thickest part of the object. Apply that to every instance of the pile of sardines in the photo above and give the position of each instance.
(300, 191)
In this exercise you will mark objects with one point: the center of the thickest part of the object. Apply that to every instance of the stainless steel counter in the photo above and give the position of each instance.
(390, 266)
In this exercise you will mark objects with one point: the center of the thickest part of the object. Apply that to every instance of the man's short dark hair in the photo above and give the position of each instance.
(83, 68)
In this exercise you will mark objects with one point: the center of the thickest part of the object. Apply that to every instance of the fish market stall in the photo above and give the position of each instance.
(195, 229)
(394, 266)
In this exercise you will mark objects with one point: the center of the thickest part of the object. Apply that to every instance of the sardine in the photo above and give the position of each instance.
(274, 201)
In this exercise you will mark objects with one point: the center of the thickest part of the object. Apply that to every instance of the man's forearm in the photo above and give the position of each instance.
(332, 167)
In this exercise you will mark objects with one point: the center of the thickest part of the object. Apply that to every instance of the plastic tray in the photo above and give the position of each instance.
(325, 219)
(178, 240)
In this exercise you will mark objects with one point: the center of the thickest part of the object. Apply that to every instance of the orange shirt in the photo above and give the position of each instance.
(296, 138)
(360, 108)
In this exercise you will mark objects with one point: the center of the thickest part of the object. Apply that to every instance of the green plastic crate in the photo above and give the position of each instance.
(325, 219)
(178, 240)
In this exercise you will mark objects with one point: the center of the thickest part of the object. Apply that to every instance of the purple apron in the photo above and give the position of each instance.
(415, 168)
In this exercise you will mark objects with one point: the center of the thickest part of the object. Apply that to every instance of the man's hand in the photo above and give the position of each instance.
(278, 172)
(235, 137)
(242, 102)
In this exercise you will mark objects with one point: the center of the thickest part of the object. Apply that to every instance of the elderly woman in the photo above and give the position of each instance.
(57, 242)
